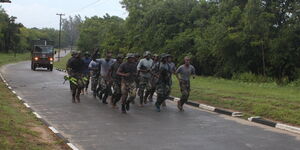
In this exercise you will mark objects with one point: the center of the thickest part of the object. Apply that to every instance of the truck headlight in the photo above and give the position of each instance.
(36, 58)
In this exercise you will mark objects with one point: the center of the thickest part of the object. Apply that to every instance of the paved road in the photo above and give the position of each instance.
(94, 126)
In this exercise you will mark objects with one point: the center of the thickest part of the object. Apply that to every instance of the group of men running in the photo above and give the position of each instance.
(124, 79)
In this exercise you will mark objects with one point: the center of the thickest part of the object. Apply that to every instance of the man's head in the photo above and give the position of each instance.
(86, 54)
(73, 53)
(130, 57)
(187, 60)
(164, 57)
(147, 55)
(170, 58)
(155, 57)
(120, 57)
(108, 54)
(78, 55)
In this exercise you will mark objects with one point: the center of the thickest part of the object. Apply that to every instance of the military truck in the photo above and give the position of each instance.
(42, 54)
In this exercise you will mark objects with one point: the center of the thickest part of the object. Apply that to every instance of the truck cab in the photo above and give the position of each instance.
(42, 54)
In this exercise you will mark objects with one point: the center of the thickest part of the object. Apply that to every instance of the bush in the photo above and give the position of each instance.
(250, 77)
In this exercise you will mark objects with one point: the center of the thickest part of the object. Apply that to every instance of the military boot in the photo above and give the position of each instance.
(123, 109)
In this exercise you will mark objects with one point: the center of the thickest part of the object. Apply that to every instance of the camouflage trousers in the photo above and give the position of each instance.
(185, 91)
(104, 88)
(116, 94)
(94, 83)
(162, 90)
(87, 81)
(128, 90)
(77, 86)
(144, 88)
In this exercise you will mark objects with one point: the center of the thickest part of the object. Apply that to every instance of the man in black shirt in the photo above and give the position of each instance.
(128, 72)
(76, 67)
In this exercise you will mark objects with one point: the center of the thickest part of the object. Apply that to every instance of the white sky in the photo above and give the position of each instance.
(42, 13)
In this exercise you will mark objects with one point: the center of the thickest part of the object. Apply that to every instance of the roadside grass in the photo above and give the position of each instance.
(268, 100)
(19, 129)
(9, 58)
(61, 64)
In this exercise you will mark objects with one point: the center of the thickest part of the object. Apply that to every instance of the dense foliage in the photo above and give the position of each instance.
(225, 38)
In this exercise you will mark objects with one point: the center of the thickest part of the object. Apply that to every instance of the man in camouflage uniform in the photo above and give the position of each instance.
(183, 74)
(105, 84)
(116, 81)
(94, 71)
(76, 67)
(144, 68)
(128, 72)
(163, 85)
(154, 75)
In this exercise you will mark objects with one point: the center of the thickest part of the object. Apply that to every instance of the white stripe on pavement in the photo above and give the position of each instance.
(288, 128)
(37, 115)
(206, 107)
(26, 105)
(72, 146)
(19, 98)
(53, 130)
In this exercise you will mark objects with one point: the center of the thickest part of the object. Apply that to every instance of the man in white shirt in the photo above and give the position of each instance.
(144, 68)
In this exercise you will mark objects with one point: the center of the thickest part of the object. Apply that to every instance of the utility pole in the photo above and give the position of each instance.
(11, 32)
(59, 36)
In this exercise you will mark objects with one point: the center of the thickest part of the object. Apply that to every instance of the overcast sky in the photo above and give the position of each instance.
(42, 13)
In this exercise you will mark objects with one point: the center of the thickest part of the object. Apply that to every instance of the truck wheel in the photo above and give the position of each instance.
(34, 67)
(51, 68)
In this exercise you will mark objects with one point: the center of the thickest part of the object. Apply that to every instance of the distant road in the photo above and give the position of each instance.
(94, 126)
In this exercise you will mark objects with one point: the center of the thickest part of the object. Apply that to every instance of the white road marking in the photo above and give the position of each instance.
(14, 92)
(288, 128)
(72, 146)
(26, 105)
(19, 98)
(37, 115)
(206, 107)
(53, 130)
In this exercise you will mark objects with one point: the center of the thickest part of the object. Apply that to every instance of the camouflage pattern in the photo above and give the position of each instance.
(185, 91)
(76, 86)
(117, 93)
(162, 91)
(105, 88)
(128, 89)
(144, 87)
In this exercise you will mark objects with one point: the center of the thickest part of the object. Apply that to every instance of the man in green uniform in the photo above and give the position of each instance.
(183, 74)
(163, 85)
(144, 68)
(76, 67)
(128, 72)
(116, 80)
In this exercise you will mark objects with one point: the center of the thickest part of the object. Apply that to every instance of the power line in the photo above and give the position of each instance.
(84, 7)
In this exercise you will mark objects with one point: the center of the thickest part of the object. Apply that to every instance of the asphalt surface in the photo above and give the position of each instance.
(91, 125)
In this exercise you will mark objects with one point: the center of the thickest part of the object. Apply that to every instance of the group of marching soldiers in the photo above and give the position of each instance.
(124, 79)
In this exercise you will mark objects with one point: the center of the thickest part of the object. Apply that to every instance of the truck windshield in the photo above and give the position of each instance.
(43, 49)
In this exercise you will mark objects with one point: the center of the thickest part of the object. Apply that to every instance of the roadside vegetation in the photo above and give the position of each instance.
(62, 63)
(19, 129)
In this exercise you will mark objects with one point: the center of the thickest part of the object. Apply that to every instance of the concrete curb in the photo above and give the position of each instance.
(233, 114)
(209, 108)
(275, 124)
(56, 132)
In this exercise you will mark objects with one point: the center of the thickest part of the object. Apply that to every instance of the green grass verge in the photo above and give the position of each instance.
(266, 99)
(279, 103)
(19, 129)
